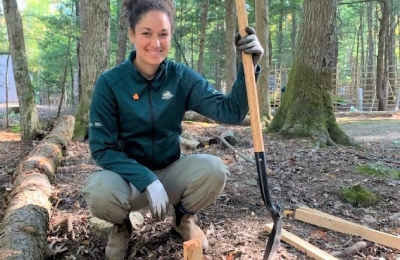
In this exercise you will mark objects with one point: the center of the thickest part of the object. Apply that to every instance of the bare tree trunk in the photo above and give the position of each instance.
(230, 21)
(122, 33)
(78, 50)
(7, 66)
(94, 55)
(381, 87)
(293, 34)
(64, 78)
(262, 28)
(203, 28)
(391, 56)
(26, 97)
(370, 82)
(279, 36)
(23, 231)
(306, 109)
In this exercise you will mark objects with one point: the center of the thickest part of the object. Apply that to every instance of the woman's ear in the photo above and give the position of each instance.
(131, 34)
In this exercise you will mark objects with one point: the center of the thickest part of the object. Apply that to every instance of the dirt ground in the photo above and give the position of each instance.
(235, 223)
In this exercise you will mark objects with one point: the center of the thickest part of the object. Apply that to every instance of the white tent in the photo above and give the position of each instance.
(12, 91)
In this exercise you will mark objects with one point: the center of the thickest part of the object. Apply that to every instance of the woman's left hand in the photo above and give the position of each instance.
(249, 44)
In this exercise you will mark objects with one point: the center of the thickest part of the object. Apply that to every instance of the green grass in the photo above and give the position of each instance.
(359, 196)
(15, 129)
(379, 170)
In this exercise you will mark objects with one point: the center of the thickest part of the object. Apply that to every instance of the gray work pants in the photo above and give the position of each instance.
(195, 181)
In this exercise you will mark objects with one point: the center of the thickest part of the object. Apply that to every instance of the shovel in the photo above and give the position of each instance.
(275, 236)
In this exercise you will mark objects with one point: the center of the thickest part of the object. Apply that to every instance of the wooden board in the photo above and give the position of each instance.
(192, 250)
(302, 245)
(328, 221)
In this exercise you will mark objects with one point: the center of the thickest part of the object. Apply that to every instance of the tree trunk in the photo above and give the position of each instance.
(94, 55)
(391, 56)
(78, 48)
(279, 36)
(381, 87)
(29, 119)
(23, 231)
(122, 33)
(64, 78)
(370, 81)
(230, 21)
(6, 86)
(306, 110)
(262, 28)
(293, 34)
(203, 27)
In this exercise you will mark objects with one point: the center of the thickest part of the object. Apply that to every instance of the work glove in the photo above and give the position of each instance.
(158, 200)
(249, 44)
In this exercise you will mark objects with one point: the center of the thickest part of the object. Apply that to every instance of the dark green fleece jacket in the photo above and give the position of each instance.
(135, 123)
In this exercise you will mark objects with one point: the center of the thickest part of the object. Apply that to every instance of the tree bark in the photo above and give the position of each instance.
(230, 46)
(94, 55)
(203, 28)
(381, 86)
(29, 118)
(122, 33)
(391, 55)
(370, 81)
(306, 109)
(23, 231)
(262, 28)
(64, 78)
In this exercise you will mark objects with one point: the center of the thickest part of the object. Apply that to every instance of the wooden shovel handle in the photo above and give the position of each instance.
(250, 81)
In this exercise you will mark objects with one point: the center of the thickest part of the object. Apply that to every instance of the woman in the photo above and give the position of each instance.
(135, 123)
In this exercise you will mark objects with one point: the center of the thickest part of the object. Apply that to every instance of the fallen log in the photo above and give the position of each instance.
(193, 116)
(350, 250)
(191, 143)
(196, 117)
(23, 230)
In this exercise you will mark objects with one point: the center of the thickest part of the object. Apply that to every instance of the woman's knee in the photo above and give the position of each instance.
(216, 169)
(107, 195)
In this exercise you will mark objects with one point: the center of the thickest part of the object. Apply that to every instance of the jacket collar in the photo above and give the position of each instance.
(161, 73)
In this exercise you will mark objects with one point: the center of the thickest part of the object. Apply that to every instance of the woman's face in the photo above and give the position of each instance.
(152, 38)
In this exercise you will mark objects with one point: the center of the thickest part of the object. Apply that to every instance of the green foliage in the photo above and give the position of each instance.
(359, 196)
(49, 25)
(339, 100)
(378, 169)
(15, 129)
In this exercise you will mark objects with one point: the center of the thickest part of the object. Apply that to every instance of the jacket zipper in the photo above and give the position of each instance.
(153, 127)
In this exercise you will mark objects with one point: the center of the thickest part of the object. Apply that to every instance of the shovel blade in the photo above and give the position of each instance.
(274, 210)
(274, 239)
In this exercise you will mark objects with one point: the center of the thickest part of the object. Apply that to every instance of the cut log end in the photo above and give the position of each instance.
(192, 250)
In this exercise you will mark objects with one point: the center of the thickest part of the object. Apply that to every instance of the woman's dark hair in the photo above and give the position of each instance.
(136, 9)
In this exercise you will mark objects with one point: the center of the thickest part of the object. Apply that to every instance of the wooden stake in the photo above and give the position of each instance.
(192, 250)
(325, 220)
(302, 245)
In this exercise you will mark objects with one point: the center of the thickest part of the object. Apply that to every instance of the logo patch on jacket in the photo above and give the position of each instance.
(95, 124)
(167, 95)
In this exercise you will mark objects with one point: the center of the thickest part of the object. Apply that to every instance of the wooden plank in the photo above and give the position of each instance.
(192, 250)
(302, 245)
(328, 221)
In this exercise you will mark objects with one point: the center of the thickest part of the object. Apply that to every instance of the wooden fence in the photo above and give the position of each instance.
(353, 88)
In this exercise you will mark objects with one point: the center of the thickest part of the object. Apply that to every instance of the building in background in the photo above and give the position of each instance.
(4, 68)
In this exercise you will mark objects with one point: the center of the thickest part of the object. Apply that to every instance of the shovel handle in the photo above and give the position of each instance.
(250, 80)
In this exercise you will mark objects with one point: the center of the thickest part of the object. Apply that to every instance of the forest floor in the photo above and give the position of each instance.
(235, 223)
